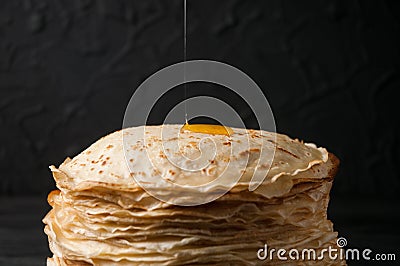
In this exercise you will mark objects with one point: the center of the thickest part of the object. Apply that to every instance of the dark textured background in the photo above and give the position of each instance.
(328, 68)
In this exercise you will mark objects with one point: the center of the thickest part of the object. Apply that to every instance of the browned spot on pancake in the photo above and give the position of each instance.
(283, 150)
(156, 172)
(117, 176)
(288, 152)
(109, 146)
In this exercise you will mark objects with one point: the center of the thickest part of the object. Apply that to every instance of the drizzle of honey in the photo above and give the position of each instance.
(208, 129)
(198, 128)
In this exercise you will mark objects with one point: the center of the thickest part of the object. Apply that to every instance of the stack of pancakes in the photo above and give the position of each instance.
(105, 214)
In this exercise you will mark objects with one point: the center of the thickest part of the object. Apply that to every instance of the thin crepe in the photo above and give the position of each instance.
(113, 161)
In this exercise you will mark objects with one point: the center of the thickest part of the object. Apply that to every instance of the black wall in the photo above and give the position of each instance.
(329, 69)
